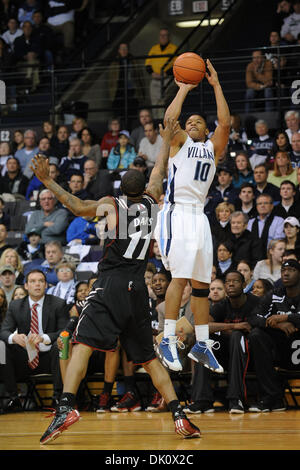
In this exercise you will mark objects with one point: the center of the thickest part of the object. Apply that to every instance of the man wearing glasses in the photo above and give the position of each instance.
(50, 221)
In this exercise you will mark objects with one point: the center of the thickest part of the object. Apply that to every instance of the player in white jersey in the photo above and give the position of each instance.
(183, 232)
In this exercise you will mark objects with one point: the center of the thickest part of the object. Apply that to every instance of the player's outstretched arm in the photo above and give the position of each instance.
(80, 208)
(221, 134)
(174, 109)
(159, 172)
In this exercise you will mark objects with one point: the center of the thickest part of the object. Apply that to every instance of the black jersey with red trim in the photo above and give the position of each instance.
(126, 249)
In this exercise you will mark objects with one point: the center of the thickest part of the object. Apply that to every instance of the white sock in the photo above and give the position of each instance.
(202, 332)
(169, 328)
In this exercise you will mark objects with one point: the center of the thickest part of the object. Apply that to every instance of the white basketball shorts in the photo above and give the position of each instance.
(184, 238)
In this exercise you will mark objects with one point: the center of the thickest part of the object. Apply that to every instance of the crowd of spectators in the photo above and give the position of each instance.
(253, 207)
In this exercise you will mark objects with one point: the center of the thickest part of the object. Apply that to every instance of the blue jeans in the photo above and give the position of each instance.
(252, 94)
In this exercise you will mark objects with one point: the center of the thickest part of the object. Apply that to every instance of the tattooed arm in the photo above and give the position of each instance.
(80, 208)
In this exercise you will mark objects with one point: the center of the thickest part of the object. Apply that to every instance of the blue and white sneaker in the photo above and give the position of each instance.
(202, 352)
(168, 353)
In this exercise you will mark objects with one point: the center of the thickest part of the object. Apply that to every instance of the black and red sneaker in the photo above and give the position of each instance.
(105, 402)
(155, 402)
(65, 416)
(129, 402)
(184, 427)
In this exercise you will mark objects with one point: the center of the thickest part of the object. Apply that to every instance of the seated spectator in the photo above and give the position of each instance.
(223, 261)
(270, 268)
(138, 132)
(283, 170)
(295, 153)
(78, 124)
(60, 17)
(110, 139)
(98, 183)
(261, 146)
(292, 120)
(140, 165)
(27, 9)
(122, 155)
(4, 218)
(53, 256)
(12, 33)
(8, 9)
(28, 51)
(222, 191)
(288, 207)
(50, 221)
(8, 281)
(230, 318)
(261, 173)
(5, 154)
(10, 257)
(44, 149)
(13, 182)
(90, 148)
(246, 246)
(81, 291)
(16, 327)
(48, 130)
(82, 230)
(29, 150)
(19, 293)
(31, 248)
(274, 323)
(155, 256)
(35, 185)
(46, 37)
(73, 161)
(150, 271)
(259, 80)
(243, 172)
(150, 145)
(281, 144)
(220, 228)
(262, 287)
(245, 268)
(3, 236)
(238, 136)
(266, 226)
(291, 229)
(75, 187)
(60, 142)
(65, 288)
(246, 202)
(291, 25)
(18, 140)
(216, 291)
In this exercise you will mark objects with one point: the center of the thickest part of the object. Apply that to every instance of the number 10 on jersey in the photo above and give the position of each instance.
(202, 170)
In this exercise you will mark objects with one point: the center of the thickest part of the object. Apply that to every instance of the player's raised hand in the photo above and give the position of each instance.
(40, 167)
(186, 86)
(172, 127)
(212, 76)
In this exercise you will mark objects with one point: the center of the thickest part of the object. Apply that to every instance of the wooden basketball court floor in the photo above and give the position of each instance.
(155, 431)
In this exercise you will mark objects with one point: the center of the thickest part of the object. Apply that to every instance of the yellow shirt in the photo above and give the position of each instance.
(277, 180)
(159, 62)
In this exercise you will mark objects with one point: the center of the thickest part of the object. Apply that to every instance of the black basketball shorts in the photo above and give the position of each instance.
(117, 308)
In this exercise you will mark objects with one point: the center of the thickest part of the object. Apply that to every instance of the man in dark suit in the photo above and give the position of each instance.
(38, 319)
(98, 183)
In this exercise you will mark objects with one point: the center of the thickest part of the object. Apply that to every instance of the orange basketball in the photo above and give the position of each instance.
(189, 68)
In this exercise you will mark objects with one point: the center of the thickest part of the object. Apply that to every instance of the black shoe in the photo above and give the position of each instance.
(184, 427)
(261, 407)
(65, 417)
(14, 406)
(278, 405)
(199, 407)
(236, 406)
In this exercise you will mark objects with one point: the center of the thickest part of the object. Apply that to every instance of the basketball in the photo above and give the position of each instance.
(189, 68)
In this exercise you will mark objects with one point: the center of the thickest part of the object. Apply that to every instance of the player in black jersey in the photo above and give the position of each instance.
(117, 307)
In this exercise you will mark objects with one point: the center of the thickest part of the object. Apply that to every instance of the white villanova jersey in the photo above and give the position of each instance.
(190, 173)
